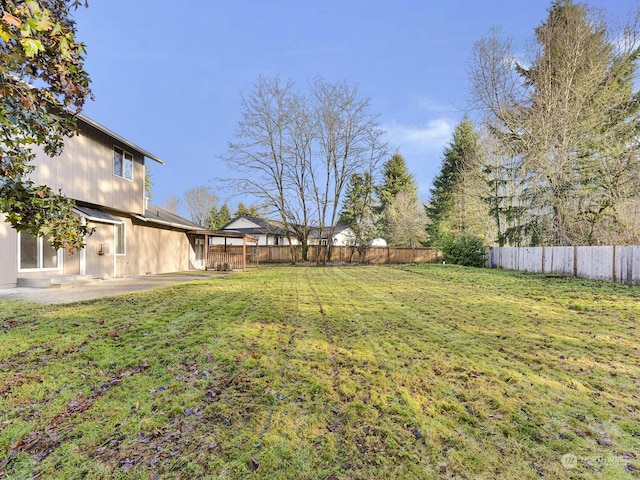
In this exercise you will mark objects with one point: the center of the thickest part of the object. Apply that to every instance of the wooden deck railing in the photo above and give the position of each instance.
(225, 261)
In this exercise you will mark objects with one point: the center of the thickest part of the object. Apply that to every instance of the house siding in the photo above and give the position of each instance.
(148, 250)
(84, 173)
(8, 251)
(88, 160)
(153, 250)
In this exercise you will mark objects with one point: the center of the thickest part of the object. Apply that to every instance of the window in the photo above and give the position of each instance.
(122, 163)
(36, 253)
(120, 239)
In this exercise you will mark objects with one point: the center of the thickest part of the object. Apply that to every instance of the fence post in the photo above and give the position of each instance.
(575, 260)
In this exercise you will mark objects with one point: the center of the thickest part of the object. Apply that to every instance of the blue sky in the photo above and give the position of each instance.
(168, 75)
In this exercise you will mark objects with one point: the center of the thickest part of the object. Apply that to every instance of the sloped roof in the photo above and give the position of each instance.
(117, 137)
(264, 226)
(161, 216)
(274, 227)
(164, 217)
(95, 214)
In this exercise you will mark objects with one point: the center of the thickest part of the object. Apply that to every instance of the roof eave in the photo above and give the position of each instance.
(120, 138)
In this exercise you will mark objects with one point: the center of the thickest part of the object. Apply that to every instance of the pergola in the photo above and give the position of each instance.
(227, 259)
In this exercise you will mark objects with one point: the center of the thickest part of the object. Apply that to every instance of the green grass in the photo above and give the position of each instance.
(408, 372)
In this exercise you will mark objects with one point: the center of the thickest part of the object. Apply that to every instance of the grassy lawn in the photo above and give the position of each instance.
(407, 372)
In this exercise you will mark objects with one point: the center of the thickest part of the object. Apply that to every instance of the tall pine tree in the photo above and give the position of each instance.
(455, 205)
(572, 119)
(395, 179)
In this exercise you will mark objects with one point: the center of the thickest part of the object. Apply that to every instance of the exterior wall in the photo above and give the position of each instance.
(84, 172)
(155, 250)
(344, 238)
(148, 250)
(241, 223)
(71, 263)
(8, 252)
(100, 265)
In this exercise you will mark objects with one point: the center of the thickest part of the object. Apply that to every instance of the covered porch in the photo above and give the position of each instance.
(220, 257)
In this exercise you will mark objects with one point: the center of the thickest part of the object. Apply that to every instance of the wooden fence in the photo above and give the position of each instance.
(282, 254)
(619, 264)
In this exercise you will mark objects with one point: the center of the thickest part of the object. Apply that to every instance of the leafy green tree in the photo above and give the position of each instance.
(42, 83)
(359, 211)
(454, 201)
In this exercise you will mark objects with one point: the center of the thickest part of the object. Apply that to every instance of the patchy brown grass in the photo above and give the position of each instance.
(330, 373)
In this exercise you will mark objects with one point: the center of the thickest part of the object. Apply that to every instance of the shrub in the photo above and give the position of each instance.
(464, 249)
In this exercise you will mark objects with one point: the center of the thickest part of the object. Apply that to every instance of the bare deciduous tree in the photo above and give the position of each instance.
(199, 201)
(296, 152)
(171, 203)
(406, 219)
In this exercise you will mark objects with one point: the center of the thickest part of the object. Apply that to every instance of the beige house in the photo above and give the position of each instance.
(104, 173)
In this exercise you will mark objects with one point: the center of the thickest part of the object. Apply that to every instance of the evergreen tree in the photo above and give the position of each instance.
(359, 210)
(218, 218)
(243, 211)
(224, 216)
(454, 194)
(396, 179)
(572, 120)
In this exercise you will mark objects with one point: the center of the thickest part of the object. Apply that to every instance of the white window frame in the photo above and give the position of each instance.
(126, 163)
(40, 257)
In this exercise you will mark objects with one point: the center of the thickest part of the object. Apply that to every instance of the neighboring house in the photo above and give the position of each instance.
(343, 236)
(105, 174)
(268, 232)
(271, 232)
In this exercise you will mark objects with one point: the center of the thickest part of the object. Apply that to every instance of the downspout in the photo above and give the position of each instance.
(83, 252)
(113, 250)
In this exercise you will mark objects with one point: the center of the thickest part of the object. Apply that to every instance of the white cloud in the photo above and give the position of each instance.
(426, 138)
(432, 106)
(421, 146)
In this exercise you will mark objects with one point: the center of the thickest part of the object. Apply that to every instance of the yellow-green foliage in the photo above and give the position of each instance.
(303, 372)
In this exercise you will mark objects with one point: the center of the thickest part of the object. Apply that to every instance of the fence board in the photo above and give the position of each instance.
(628, 265)
(530, 259)
(610, 263)
(595, 263)
(558, 260)
(374, 255)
